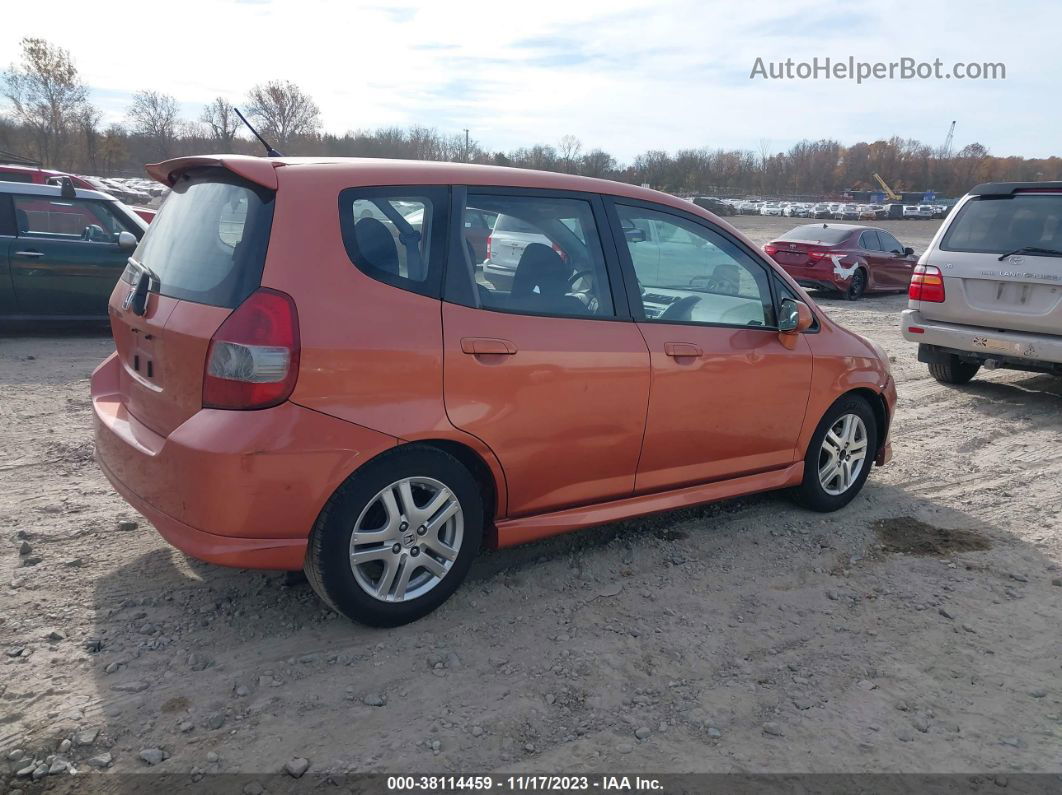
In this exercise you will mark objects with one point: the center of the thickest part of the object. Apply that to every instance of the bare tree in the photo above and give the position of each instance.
(568, 149)
(153, 116)
(222, 120)
(284, 112)
(47, 96)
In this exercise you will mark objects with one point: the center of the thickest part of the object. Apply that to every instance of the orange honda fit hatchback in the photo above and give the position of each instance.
(316, 370)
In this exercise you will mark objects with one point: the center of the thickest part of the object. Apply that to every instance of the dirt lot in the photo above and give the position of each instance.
(744, 636)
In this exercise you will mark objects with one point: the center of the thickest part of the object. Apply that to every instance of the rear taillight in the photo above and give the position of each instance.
(770, 250)
(253, 359)
(818, 253)
(560, 253)
(489, 238)
(927, 284)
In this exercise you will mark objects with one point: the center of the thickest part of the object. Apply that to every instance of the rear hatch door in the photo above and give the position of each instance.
(200, 258)
(998, 266)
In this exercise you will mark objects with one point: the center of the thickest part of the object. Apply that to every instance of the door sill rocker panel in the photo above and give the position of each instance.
(532, 528)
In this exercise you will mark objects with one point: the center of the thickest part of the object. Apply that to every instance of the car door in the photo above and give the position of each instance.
(549, 372)
(895, 262)
(66, 259)
(7, 238)
(728, 396)
(878, 277)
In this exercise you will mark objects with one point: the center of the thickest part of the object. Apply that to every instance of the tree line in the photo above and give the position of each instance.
(50, 119)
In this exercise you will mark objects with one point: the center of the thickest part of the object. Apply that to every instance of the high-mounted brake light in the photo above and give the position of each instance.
(253, 358)
(927, 284)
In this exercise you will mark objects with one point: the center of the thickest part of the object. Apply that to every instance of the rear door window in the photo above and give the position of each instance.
(1000, 224)
(544, 257)
(208, 242)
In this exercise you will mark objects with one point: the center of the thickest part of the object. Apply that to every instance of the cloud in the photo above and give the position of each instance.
(624, 75)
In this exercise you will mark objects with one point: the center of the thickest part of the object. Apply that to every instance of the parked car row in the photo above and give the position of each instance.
(130, 190)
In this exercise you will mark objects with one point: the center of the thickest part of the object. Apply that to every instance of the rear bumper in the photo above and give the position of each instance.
(498, 275)
(238, 488)
(1012, 347)
(284, 554)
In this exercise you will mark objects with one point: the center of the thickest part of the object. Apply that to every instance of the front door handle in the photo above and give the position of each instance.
(29, 253)
(677, 349)
(487, 345)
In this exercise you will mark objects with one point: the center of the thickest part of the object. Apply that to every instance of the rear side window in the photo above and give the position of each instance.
(996, 225)
(397, 234)
(208, 242)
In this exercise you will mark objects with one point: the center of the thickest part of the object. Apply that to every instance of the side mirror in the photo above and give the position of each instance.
(908, 251)
(634, 235)
(126, 240)
(794, 317)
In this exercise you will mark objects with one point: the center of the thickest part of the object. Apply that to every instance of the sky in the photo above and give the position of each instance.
(622, 75)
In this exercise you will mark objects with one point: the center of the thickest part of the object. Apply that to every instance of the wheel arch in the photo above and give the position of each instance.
(876, 401)
(492, 485)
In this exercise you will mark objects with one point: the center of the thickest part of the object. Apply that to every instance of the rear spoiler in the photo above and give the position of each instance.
(1010, 188)
(258, 170)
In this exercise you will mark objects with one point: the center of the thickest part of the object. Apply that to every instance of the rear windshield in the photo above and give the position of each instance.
(1000, 224)
(817, 233)
(208, 242)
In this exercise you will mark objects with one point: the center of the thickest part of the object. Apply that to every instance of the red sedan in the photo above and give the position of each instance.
(844, 258)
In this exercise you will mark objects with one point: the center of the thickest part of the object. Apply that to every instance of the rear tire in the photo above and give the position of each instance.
(953, 371)
(821, 492)
(412, 556)
(858, 286)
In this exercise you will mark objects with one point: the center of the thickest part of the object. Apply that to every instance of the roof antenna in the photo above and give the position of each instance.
(270, 151)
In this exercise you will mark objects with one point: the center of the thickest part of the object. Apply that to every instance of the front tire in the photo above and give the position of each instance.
(953, 371)
(839, 456)
(397, 538)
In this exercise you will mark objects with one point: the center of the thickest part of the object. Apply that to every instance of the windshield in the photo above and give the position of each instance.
(1001, 224)
(208, 242)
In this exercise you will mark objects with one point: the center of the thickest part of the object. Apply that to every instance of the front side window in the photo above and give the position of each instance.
(55, 218)
(889, 243)
(688, 273)
(543, 257)
(396, 235)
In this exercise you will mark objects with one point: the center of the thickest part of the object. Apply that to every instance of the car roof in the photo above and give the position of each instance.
(29, 188)
(379, 171)
(1007, 188)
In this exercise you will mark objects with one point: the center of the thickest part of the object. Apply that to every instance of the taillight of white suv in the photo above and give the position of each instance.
(927, 284)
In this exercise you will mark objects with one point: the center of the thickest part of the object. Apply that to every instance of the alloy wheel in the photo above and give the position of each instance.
(843, 454)
(406, 539)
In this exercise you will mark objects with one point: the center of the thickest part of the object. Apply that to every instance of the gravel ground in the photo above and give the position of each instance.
(916, 630)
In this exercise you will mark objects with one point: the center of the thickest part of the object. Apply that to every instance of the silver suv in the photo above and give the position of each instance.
(988, 290)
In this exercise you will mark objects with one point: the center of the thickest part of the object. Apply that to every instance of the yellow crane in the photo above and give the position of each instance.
(892, 195)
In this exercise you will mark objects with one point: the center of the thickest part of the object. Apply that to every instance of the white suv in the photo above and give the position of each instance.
(988, 290)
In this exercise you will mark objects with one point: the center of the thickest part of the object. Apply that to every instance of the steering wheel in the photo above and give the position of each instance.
(93, 232)
(714, 285)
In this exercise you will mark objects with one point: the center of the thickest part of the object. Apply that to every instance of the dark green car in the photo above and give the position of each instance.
(61, 251)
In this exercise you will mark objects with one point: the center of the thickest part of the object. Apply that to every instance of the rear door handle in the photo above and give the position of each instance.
(677, 349)
(487, 345)
(29, 253)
